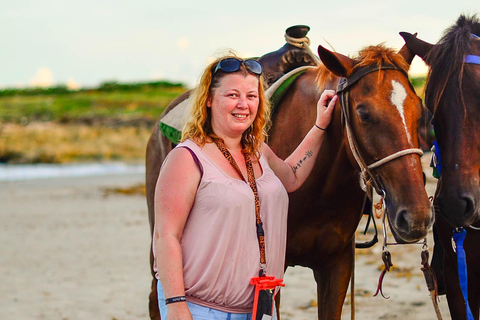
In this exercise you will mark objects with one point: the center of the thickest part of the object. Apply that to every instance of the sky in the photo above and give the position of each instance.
(87, 42)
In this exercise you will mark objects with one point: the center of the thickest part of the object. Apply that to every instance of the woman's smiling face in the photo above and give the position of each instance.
(234, 104)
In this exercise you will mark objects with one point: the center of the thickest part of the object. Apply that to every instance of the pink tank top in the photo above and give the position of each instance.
(219, 242)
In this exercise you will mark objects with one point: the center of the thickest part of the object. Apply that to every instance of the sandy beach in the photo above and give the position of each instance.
(71, 250)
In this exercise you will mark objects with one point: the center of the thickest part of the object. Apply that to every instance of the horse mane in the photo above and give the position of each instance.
(368, 56)
(379, 55)
(447, 56)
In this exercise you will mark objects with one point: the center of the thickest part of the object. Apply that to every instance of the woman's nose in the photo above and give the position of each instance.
(242, 102)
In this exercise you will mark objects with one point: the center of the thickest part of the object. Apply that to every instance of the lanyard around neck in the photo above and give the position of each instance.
(253, 186)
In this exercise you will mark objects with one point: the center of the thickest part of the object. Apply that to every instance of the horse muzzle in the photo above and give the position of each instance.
(459, 209)
(410, 225)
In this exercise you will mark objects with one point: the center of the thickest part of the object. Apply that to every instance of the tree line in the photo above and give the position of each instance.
(107, 86)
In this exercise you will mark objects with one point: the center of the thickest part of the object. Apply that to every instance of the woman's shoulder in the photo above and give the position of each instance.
(265, 151)
(187, 143)
(188, 151)
(183, 157)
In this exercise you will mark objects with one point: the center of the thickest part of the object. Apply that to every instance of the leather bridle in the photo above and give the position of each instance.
(342, 91)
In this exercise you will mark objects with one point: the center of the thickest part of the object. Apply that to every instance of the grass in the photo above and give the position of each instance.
(418, 84)
(145, 103)
(113, 122)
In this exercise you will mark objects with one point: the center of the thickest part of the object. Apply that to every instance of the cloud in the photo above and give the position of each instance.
(73, 85)
(156, 75)
(42, 78)
(183, 43)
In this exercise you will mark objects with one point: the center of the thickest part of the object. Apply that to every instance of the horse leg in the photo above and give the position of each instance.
(157, 149)
(332, 284)
(474, 294)
(455, 300)
(437, 261)
(473, 263)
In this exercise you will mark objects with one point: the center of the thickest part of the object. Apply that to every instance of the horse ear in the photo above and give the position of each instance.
(337, 63)
(406, 53)
(415, 45)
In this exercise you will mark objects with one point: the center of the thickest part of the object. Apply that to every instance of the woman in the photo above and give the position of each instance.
(206, 243)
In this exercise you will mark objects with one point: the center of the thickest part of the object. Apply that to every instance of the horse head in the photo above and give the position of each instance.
(381, 113)
(452, 95)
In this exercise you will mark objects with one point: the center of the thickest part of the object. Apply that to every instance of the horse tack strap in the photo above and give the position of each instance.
(398, 154)
(387, 261)
(472, 59)
(342, 92)
(253, 185)
(348, 82)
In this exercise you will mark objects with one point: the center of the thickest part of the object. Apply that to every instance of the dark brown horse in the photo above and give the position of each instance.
(453, 96)
(382, 113)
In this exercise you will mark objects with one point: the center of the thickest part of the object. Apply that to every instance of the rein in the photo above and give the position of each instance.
(342, 92)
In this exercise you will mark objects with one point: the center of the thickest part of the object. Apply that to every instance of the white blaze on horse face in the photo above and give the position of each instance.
(399, 94)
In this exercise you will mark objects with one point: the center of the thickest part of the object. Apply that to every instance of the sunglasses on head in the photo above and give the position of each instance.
(234, 64)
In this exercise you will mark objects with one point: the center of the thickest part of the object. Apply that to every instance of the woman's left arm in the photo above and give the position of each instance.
(294, 170)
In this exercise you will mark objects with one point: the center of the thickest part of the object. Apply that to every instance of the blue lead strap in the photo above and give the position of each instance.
(459, 236)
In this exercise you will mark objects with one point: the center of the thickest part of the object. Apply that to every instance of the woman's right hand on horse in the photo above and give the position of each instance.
(325, 106)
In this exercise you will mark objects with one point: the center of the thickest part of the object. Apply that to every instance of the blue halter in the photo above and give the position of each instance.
(470, 58)
(436, 162)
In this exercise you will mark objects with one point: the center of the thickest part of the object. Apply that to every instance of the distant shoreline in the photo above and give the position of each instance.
(27, 172)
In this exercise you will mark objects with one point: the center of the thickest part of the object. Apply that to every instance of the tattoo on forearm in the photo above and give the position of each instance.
(308, 154)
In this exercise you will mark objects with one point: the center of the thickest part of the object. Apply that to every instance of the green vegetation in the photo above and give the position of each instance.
(109, 100)
(57, 125)
(419, 85)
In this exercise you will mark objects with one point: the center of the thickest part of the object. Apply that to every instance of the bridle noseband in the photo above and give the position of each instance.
(342, 92)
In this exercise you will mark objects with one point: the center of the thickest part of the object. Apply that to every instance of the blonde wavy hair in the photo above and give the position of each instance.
(199, 127)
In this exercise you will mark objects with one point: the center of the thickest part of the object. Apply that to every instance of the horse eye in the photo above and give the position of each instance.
(364, 115)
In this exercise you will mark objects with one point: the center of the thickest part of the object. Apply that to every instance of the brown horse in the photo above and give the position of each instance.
(381, 111)
(452, 95)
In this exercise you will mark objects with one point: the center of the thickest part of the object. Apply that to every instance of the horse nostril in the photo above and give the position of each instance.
(469, 205)
(403, 223)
